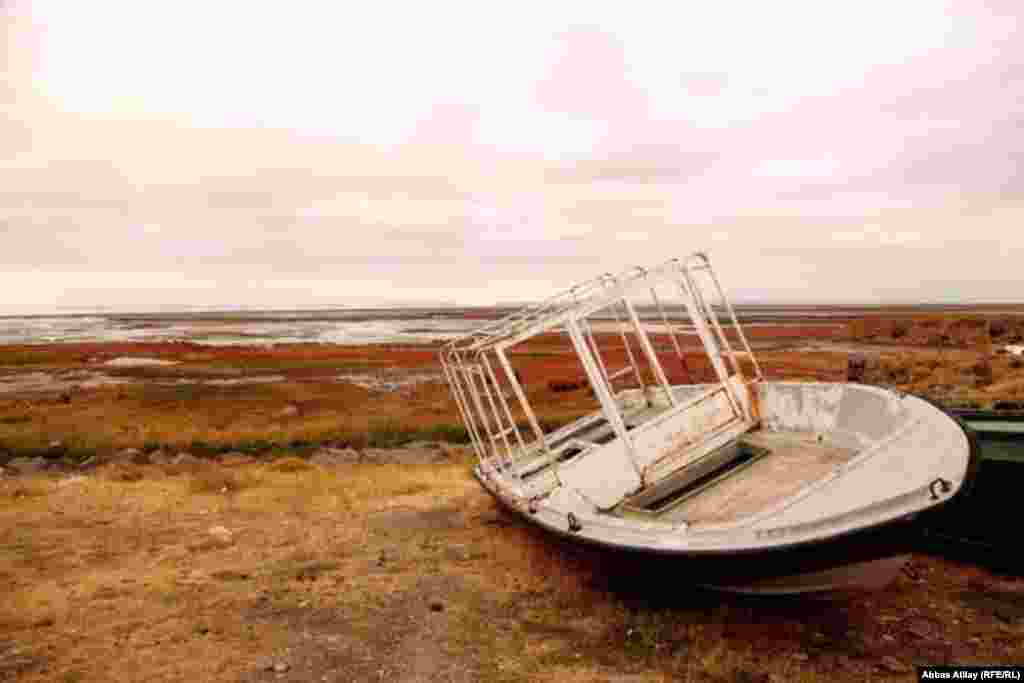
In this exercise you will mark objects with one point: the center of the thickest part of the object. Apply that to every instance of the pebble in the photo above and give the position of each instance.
(158, 457)
(221, 534)
(131, 456)
(236, 459)
(387, 555)
(184, 459)
(893, 665)
(329, 457)
(281, 667)
(404, 456)
(458, 553)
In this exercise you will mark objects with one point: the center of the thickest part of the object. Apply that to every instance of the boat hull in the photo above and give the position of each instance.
(862, 556)
(866, 559)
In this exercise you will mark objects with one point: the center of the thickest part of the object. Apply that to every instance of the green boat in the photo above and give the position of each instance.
(978, 524)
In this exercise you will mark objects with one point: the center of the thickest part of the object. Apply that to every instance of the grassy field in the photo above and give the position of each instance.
(369, 572)
(379, 572)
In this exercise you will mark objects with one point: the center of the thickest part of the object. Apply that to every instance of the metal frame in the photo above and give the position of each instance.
(485, 396)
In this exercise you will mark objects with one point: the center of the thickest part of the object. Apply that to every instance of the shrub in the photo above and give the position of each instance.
(389, 434)
(446, 432)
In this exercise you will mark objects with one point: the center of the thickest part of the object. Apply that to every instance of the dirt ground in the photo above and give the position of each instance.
(259, 566)
(294, 572)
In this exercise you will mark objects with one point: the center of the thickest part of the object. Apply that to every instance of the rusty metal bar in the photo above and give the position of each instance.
(648, 350)
(603, 392)
(504, 405)
(457, 393)
(517, 389)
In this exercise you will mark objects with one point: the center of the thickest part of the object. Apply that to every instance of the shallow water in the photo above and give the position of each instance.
(48, 330)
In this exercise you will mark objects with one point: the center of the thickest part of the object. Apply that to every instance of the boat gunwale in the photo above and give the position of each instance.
(531, 514)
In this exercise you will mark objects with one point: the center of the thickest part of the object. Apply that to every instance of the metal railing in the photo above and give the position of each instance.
(493, 404)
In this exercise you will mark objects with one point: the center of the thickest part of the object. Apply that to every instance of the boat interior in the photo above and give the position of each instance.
(706, 454)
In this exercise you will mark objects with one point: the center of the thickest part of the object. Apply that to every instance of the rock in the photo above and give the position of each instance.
(389, 554)
(131, 456)
(458, 552)
(288, 411)
(185, 459)
(221, 535)
(282, 667)
(434, 445)
(72, 481)
(893, 665)
(888, 638)
(328, 457)
(158, 457)
(236, 459)
(404, 456)
(27, 465)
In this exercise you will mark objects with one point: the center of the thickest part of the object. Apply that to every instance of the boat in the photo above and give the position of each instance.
(978, 525)
(751, 485)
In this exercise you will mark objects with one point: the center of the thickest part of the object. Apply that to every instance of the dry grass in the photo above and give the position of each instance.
(117, 576)
(108, 579)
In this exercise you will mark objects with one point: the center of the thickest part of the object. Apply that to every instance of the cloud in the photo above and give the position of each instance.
(534, 146)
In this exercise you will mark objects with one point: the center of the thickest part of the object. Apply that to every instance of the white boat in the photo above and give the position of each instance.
(763, 486)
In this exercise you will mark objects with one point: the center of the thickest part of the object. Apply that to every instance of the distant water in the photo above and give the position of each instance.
(329, 326)
(249, 331)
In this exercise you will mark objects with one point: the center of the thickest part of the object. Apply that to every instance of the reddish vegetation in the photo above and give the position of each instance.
(364, 572)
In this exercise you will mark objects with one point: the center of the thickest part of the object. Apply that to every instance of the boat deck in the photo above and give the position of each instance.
(795, 459)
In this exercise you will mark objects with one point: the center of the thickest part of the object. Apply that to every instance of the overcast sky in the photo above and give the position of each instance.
(310, 153)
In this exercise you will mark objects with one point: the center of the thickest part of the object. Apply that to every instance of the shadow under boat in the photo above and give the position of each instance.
(979, 525)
